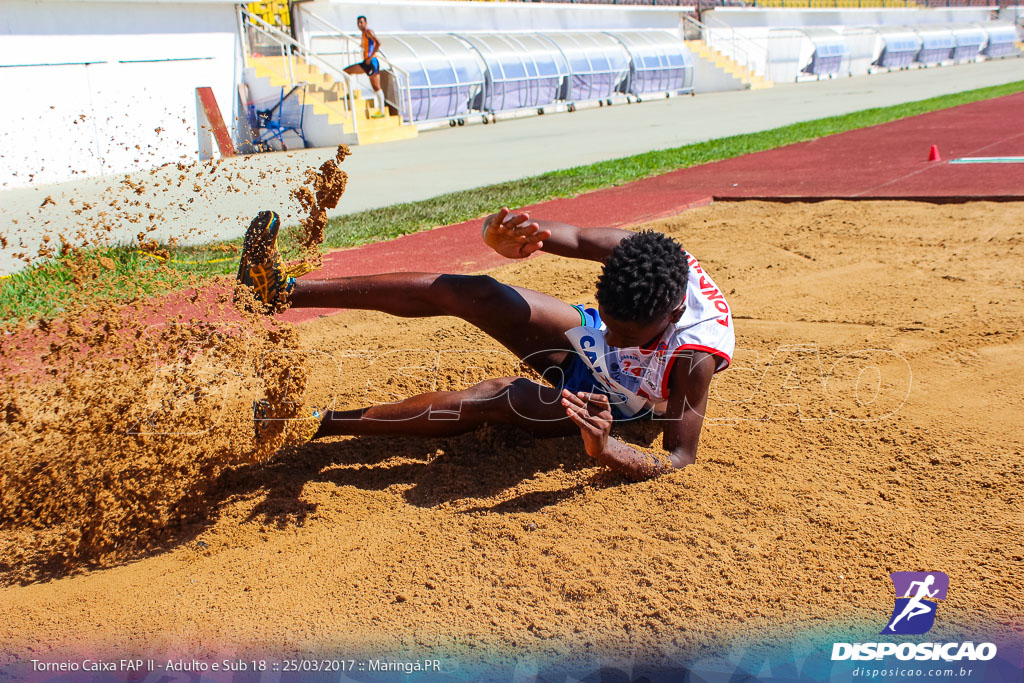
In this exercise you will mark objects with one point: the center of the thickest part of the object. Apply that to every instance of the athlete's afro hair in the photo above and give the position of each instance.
(644, 278)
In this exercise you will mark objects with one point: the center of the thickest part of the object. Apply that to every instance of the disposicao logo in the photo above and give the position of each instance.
(914, 614)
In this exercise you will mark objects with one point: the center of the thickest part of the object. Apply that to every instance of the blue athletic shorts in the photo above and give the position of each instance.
(576, 374)
(371, 67)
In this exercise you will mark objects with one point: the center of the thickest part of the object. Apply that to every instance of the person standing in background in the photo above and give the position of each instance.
(370, 66)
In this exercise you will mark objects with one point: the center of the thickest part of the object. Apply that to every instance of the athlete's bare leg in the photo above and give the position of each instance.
(529, 324)
(358, 70)
(508, 400)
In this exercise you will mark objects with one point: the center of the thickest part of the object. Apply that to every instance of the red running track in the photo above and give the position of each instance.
(888, 161)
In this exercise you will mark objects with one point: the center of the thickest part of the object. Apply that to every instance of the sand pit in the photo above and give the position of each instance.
(118, 416)
(871, 423)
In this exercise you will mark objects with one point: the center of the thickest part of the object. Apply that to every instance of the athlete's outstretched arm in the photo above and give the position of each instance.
(592, 413)
(688, 386)
(689, 382)
(515, 235)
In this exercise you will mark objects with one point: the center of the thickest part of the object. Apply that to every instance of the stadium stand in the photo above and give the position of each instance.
(795, 4)
(937, 44)
(900, 45)
(331, 110)
(451, 75)
(1002, 40)
(745, 76)
(970, 40)
(790, 4)
(666, 3)
(521, 70)
(830, 52)
(832, 4)
(445, 74)
(657, 65)
(958, 3)
(805, 52)
(274, 12)
(436, 77)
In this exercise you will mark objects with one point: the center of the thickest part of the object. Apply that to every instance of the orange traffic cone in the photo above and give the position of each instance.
(933, 154)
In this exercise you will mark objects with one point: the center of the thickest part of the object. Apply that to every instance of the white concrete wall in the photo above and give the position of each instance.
(86, 82)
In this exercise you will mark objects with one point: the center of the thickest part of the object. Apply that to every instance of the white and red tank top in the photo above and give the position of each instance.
(638, 377)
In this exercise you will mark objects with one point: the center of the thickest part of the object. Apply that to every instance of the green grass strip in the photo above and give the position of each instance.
(38, 291)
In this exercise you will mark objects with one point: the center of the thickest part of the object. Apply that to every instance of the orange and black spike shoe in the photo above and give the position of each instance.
(261, 267)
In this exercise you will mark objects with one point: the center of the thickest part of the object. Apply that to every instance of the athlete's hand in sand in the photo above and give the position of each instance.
(593, 415)
(513, 235)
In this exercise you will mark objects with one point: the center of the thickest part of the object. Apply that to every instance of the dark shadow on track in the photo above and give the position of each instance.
(475, 466)
(472, 471)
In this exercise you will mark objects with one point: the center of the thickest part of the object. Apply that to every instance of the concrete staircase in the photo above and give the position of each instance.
(715, 71)
(326, 120)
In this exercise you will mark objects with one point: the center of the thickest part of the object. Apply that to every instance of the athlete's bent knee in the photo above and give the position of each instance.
(489, 400)
(492, 388)
(469, 296)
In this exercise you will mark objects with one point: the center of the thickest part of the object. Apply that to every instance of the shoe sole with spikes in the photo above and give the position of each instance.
(260, 266)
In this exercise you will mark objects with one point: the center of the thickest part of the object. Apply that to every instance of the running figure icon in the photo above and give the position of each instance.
(917, 593)
(916, 606)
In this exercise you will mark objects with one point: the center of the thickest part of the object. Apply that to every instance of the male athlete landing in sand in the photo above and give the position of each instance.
(661, 331)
